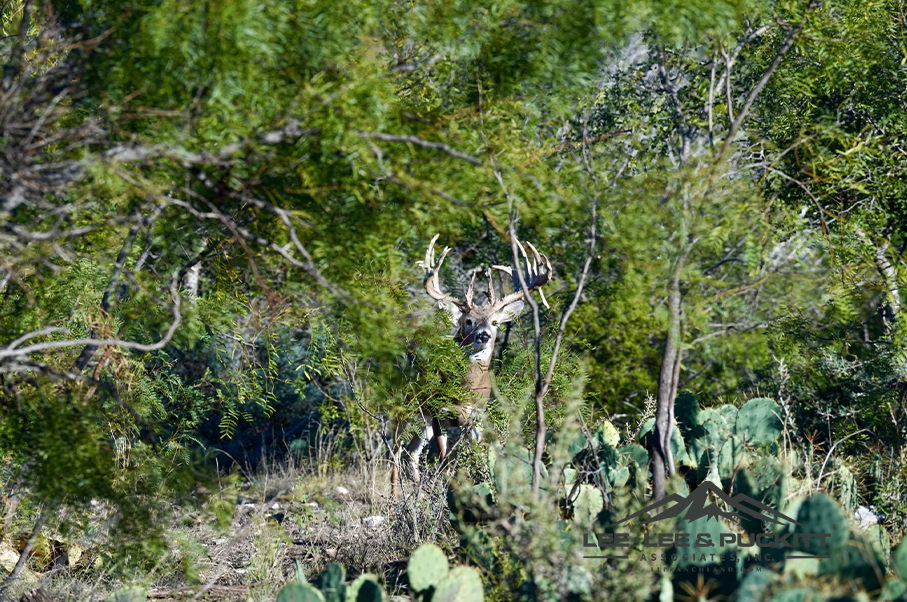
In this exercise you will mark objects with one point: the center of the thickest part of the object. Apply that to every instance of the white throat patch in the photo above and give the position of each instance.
(481, 356)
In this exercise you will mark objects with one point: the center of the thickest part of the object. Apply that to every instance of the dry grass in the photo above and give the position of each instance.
(291, 517)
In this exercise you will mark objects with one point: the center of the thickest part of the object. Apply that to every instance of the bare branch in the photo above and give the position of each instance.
(751, 98)
(424, 144)
(13, 351)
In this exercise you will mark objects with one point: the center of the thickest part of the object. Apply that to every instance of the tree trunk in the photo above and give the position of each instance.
(662, 457)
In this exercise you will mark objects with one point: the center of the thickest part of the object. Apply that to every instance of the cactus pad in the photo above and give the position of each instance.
(759, 421)
(299, 592)
(364, 589)
(461, 584)
(856, 561)
(686, 411)
(635, 453)
(820, 514)
(900, 560)
(731, 456)
(587, 505)
(330, 583)
(427, 566)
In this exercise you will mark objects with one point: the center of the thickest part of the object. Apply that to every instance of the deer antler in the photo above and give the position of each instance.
(537, 273)
(432, 286)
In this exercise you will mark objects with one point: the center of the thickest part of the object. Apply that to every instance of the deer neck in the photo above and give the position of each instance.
(478, 380)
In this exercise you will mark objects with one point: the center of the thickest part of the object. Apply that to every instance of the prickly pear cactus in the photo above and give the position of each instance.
(686, 411)
(713, 432)
(729, 413)
(678, 448)
(330, 583)
(461, 584)
(300, 592)
(370, 591)
(708, 467)
(856, 562)
(364, 588)
(820, 514)
(744, 483)
(587, 505)
(731, 457)
(846, 484)
(754, 586)
(635, 453)
(759, 420)
(713, 415)
(770, 479)
(606, 434)
(900, 560)
(881, 543)
(578, 582)
(427, 566)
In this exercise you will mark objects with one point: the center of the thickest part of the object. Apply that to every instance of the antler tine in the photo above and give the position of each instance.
(469, 290)
(491, 296)
(430, 252)
(432, 285)
(537, 273)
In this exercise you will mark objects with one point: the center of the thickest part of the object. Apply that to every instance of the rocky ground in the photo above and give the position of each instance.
(285, 525)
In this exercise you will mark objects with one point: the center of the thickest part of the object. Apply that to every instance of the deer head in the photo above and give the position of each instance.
(477, 324)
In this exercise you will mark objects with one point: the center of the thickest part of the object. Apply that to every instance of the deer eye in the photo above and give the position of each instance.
(494, 323)
(468, 322)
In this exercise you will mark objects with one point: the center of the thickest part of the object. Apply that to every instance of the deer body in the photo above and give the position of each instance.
(476, 332)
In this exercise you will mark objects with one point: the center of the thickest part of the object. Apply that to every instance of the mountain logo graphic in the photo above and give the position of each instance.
(698, 504)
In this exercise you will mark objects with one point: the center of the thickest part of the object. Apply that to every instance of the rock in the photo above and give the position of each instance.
(866, 517)
(343, 490)
(312, 505)
(75, 552)
(8, 558)
(373, 522)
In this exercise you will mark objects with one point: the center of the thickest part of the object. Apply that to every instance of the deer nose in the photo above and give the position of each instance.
(483, 337)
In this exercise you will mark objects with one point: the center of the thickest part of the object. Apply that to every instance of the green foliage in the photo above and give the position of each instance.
(128, 594)
(300, 154)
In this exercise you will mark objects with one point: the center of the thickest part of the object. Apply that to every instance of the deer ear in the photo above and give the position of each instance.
(509, 312)
(452, 310)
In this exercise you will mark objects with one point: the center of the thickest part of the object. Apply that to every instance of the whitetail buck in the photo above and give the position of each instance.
(476, 331)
